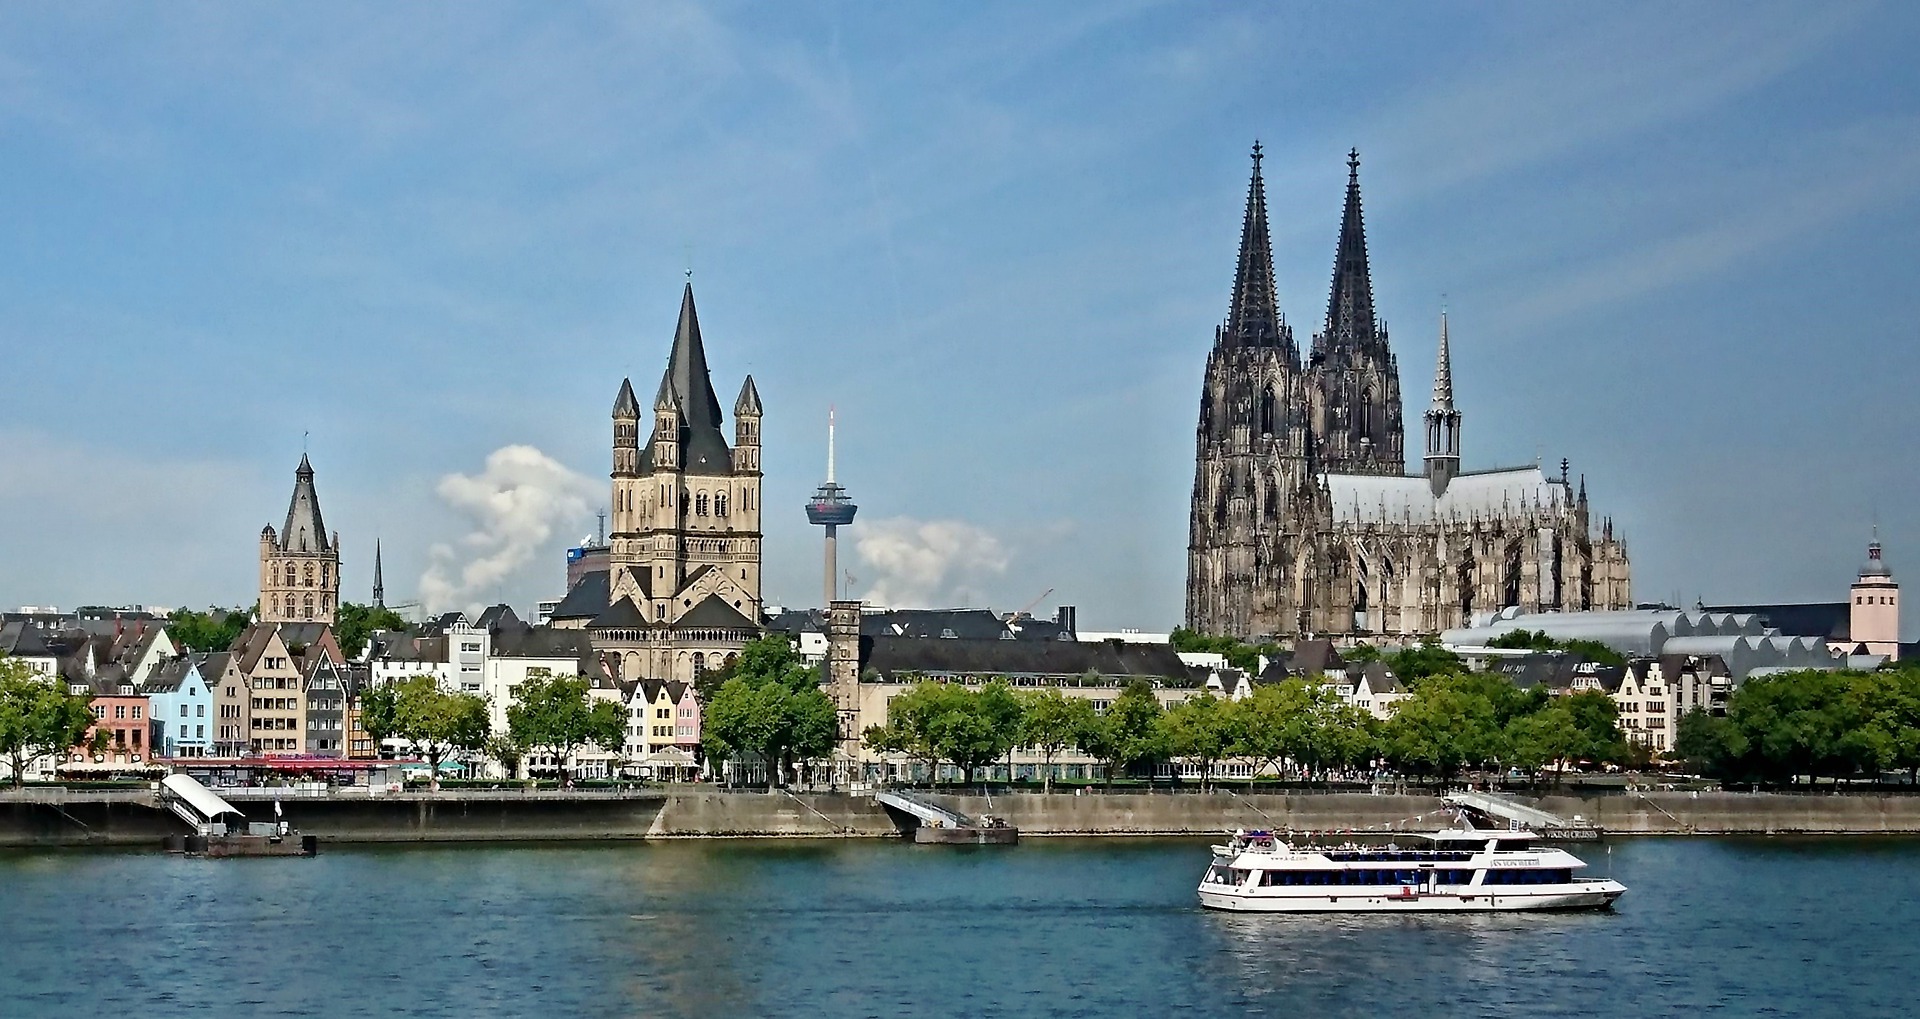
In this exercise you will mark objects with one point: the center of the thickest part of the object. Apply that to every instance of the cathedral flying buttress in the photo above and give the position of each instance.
(1303, 518)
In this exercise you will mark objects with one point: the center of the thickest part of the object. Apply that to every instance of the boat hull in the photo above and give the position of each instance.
(1583, 896)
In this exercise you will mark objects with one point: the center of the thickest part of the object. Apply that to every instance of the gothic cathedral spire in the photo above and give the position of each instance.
(1443, 420)
(1254, 318)
(1350, 321)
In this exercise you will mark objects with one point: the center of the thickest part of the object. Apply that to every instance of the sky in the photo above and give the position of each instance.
(425, 242)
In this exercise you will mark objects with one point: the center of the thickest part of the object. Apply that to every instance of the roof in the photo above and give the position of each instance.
(203, 800)
(542, 642)
(587, 599)
(623, 614)
(703, 448)
(798, 621)
(626, 405)
(713, 612)
(1316, 655)
(23, 640)
(748, 404)
(892, 655)
(304, 531)
(171, 674)
(1832, 620)
(1404, 497)
(963, 624)
(498, 617)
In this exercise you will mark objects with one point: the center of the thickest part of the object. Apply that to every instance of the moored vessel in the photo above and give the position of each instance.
(1454, 870)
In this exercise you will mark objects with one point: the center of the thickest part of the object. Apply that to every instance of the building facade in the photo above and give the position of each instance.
(1304, 519)
(300, 564)
(683, 562)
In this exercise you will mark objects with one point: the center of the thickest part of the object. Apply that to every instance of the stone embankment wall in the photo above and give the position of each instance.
(51, 817)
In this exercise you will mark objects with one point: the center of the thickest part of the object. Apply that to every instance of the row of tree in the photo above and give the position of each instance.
(553, 714)
(1781, 728)
(39, 719)
(1449, 722)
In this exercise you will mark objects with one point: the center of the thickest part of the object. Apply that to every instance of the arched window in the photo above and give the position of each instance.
(292, 577)
(720, 505)
(326, 572)
(306, 611)
(699, 663)
(1267, 423)
(309, 574)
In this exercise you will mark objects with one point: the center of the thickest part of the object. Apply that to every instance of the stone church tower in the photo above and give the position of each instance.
(684, 558)
(300, 566)
(1304, 520)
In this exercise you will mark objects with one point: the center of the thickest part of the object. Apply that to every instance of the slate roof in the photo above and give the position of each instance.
(542, 642)
(304, 530)
(688, 384)
(798, 621)
(498, 617)
(23, 640)
(713, 612)
(893, 655)
(1379, 678)
(587, 599)
(623, 615)
(1314, 656)
(961, 624)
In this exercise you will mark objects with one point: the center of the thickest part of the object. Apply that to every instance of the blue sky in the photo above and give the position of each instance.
(1676, 241)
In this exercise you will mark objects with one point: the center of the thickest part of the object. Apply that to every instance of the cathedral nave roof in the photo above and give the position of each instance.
(1393, 497)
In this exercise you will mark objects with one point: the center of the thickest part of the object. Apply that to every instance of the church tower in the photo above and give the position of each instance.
(300, 565)
(1874, 619)
(1354, 381)
(1252, 446)
(684, 552)
(1443, 423)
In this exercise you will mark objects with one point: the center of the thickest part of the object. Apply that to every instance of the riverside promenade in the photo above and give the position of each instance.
(54, 816)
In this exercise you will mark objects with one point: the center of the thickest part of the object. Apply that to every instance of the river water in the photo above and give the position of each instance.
(1052, 927)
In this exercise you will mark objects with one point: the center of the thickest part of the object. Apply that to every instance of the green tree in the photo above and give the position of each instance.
(1443, 726)
(1128, 734)
(212, 630)
(508, 752)
(38, 719)
(1709, 744)
(949, 722)
(355, 623)
(1545, 737)
(1201, 729)
(1538, 640)
(772, 706)
(1052, 722)
(1596, 723)
(1274, 722)
(1427, 658)
(559, 714)
(439, 724)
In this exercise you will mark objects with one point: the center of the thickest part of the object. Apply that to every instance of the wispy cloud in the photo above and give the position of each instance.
(927, 563)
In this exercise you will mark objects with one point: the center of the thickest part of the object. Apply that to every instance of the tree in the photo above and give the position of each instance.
(948, 722)
(1202, 729)
(506, 750)
(1128, 734)
(772, 706)
(1548, 736)
(1051, 723)
(439, 724)
(353, 624)
(557, 713)
(1245, 657)
(1273, 722)
(1425, 659)
(212, 630)
(1538, 640)
(1441, 727)
(38, 719)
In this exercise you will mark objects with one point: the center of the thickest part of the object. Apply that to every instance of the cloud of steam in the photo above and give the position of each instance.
(514, 506)
(927, 563)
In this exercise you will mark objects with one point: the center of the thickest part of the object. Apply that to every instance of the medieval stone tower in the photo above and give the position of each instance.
(300, 566)
(684, 556)
(1303, 517)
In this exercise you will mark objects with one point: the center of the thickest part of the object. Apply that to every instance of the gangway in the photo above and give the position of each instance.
(926, 810)
(1520, 815)
(936, 823)
(200, 807)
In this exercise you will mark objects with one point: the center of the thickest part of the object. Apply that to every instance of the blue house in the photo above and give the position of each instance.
(181, 705)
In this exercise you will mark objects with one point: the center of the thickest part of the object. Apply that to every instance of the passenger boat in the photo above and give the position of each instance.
(1457, 870)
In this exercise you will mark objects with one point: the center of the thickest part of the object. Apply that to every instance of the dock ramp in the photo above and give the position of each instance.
(1519, 815)
(926, 810)
(197, 805)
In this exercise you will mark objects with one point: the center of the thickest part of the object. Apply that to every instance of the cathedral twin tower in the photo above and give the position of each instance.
(1304, 519)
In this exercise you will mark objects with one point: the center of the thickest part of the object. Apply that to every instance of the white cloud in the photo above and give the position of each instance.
(515, 504)
(927, 563)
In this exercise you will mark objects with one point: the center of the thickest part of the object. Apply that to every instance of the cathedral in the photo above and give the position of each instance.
(682, 590)
(1304, 518)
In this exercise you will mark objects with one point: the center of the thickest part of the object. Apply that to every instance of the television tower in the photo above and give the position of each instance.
(830, 508)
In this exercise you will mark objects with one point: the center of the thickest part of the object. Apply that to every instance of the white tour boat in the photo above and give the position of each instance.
(1454, 870)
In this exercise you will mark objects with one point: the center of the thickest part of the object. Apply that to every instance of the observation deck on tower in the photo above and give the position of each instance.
(830, 505)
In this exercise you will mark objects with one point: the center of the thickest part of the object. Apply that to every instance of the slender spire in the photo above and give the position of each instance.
(1350, 304)
(379, 585)
(1254, 319)
(1443, 371)
(625, 405)
(687, 387)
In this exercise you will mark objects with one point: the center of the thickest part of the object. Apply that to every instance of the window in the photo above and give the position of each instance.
(325, 572)
(720, 505)
(183, 711)
(119, 711)
(290, 581)
(663, 713)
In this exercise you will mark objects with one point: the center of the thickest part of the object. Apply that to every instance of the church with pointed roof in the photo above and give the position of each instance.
(300, 564)
(1304, 519)
(682, 589)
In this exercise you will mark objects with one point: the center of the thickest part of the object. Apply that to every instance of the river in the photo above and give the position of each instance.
(1053, 927)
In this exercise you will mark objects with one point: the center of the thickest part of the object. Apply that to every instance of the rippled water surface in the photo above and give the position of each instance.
(1050, 928)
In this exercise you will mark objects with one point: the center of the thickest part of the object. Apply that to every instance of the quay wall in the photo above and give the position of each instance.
(136, 818)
